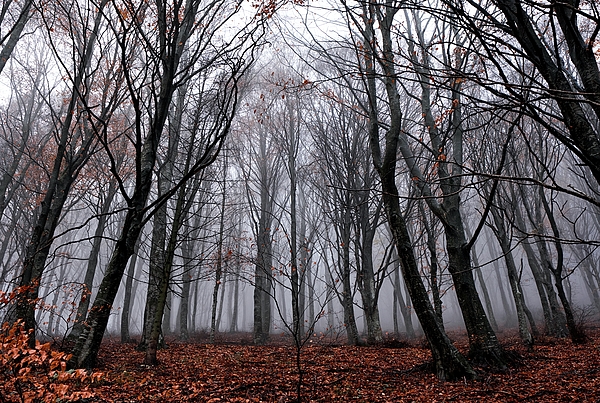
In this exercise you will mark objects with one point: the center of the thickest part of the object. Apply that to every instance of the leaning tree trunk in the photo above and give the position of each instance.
(513, 277)
(575, 106)
(449, 363)
(576, 333)
(15, 31)
(483, 343)
(38, 250)
(552, 326)
(448, 157)
(86, 350)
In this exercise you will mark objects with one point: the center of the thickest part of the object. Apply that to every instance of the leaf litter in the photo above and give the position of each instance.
(555, 371)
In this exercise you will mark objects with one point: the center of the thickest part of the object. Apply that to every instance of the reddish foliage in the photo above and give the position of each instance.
(38, 374)
(556, 371)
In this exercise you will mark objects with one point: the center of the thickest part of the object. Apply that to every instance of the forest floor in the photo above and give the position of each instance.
(232, 371)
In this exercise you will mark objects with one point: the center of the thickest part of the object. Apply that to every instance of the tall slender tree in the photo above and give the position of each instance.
(190, 27)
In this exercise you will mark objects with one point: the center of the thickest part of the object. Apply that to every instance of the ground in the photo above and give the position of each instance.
(555, 371)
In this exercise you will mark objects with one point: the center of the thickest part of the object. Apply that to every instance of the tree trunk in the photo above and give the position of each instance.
(404, 309)
(347, 297)
(88, 282)
(576, 333)
(368, 289)
(513, 277)
(181, 210)
(85, 352)
(39, 248)
(263, 276)
(433, 261)
(262, 288)
(297, 324)
(219, 267)
(127, 300)
(552, 326)
(484, 345)
(157, 263)
(449, 363)
(186, 281)
(483, 342)
(233, 325)
(329, 296)
(221, 302)
(15, 32)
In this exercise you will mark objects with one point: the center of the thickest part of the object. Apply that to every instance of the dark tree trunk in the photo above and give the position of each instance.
(86, 350)
(262, 287)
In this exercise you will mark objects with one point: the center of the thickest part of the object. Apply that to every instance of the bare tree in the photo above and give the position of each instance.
(449, 363)
(13, 19)
(76, 136)
(223, 60)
